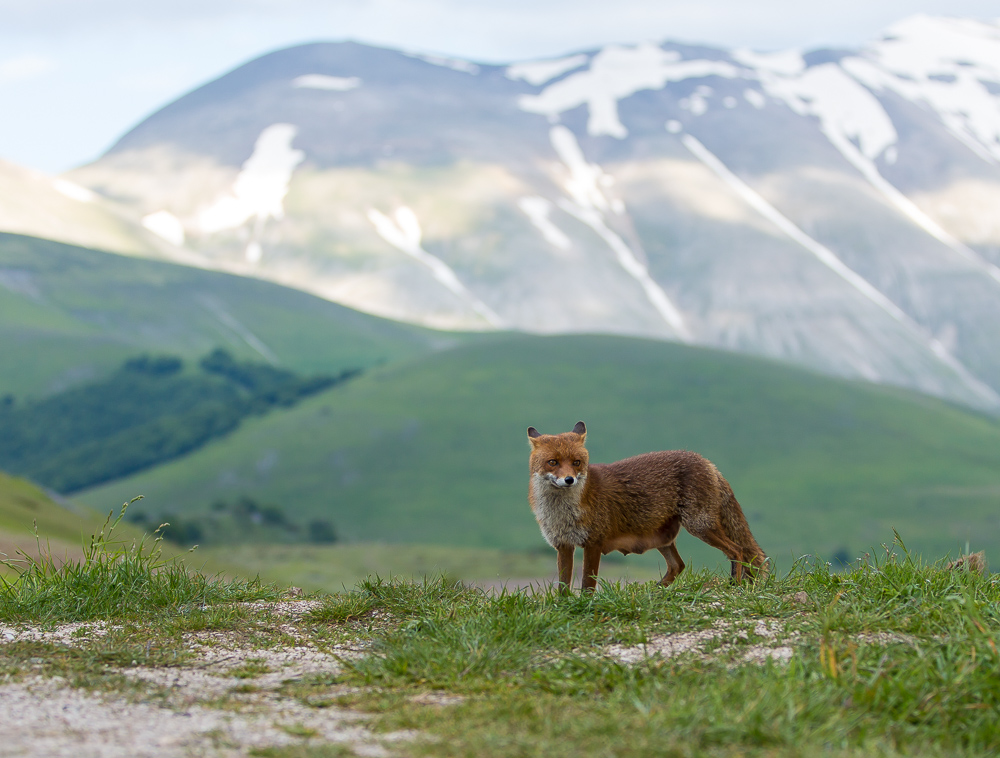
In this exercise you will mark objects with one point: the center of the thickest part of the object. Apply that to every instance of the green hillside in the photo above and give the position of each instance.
(433, 450)
(148, 411)
(61, 527)
(68, 314)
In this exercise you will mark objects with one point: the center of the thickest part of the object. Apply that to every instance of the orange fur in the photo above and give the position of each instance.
(632, 506)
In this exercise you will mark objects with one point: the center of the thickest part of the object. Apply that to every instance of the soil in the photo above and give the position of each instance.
(225, 702)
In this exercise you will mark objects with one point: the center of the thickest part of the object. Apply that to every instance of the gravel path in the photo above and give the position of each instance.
(206, 708)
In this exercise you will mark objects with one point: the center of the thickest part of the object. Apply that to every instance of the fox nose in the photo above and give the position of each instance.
(569, 480)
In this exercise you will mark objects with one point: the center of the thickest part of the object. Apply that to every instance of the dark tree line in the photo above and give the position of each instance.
(241, 521)
(149, 411)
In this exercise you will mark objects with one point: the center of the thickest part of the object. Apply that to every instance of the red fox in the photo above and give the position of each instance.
(633, 505)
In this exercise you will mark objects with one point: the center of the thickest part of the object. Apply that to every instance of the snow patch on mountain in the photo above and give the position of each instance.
(853, 119)
(73, 191)
(781, 62)
(587, 202)
(322, 81)
(260, 188)
(617, 72)
(828, 258)
(755, 99)
(951, 65)
(165, 225)
(845, 108)
(540, 72)
(584, 178)
(403, 232)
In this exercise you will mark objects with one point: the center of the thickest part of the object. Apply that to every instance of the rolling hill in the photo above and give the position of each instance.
(70, 314)
(62, 526)
(432, 449)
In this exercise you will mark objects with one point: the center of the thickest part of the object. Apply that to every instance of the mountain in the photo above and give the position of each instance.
(832, 208)
(433, 450)
(55, 208)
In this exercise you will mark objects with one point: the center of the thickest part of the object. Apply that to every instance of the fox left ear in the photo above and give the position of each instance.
(581, 429)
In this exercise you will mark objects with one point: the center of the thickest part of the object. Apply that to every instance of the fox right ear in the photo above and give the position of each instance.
(533, 433)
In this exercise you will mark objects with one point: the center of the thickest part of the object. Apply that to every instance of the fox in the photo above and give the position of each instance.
(632, 506)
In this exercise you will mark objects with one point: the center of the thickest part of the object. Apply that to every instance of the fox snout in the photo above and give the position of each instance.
(562, 481)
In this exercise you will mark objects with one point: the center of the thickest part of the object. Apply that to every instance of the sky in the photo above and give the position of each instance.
(76, 75)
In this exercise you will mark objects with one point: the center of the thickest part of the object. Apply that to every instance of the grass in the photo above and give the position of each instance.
(891, 657)
(116, 579)
(338, 568)
(81, 313)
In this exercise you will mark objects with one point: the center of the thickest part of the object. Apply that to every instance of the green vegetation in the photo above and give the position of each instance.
(23, 504)
(70, 315)
(339, 567)
(240, 522)
(892, 657)
(117, 578)
(433, 450)
(147, 412)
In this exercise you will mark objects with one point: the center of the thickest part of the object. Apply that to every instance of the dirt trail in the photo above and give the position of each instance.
(223, 703)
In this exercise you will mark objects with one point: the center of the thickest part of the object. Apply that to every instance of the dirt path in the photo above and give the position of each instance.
(224, 702)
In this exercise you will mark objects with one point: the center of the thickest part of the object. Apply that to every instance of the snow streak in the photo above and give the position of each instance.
(588, 204)
(828, 258)
(403, 232)
(537, 209)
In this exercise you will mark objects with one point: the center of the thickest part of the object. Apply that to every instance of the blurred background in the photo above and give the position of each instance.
(302, 273)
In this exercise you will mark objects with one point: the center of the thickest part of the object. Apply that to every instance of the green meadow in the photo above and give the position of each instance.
(424, 452)
(433, 451)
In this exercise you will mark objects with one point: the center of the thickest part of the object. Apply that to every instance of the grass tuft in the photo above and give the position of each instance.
(117, 578)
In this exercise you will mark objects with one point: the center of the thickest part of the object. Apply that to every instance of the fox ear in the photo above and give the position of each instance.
(533, 434)
(580, 428)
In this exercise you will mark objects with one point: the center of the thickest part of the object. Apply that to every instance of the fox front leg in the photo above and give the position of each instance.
(564, 562)
(591, 563)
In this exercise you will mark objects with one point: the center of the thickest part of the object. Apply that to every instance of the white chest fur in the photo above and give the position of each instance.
(557, 510)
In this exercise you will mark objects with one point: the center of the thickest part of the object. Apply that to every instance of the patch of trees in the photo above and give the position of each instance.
(149, 411)
(241, 521)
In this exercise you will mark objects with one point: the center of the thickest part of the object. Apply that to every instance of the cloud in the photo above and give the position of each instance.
(25, 67)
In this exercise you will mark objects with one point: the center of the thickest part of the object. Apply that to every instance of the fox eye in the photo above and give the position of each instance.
(553, 462)
(576, 463)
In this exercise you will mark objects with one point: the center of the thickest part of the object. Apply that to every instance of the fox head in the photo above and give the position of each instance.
(559, 459)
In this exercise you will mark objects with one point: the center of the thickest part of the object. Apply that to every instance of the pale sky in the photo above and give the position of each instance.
(77, 74)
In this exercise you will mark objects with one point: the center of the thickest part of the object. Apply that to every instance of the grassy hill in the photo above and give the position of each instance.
(433, 450)
(69, 314)
(61, 525)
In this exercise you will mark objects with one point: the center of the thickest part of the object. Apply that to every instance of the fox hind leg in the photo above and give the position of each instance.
(718, 539)
(674, 564)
